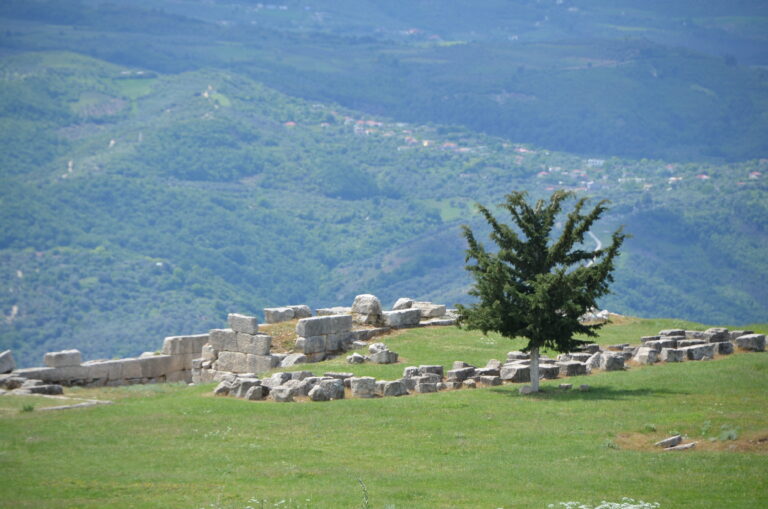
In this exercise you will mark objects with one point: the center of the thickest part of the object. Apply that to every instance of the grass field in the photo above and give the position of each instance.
(178, 446)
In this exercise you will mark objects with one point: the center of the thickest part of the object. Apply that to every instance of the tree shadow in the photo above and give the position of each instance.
(594, 393)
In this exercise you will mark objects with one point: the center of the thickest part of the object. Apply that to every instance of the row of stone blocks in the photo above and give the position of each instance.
(174, 364)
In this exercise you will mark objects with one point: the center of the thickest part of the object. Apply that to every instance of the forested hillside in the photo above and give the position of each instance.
(154, 178)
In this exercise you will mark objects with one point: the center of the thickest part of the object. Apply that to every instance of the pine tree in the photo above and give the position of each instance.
(534, 286)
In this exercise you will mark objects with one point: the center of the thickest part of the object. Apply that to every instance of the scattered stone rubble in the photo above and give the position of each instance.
(691, 345)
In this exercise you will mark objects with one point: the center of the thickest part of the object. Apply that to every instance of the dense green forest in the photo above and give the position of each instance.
(161, 167)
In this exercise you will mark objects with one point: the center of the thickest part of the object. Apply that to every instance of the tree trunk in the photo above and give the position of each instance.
(535, 369)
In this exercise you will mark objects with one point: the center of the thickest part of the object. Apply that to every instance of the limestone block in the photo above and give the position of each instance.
(459, 375)
(690, 342)
(672, 332)
(411, 371)
(660, 344)
(572, 368)
(431, 368)
(395, 388)
(453, 385)
(594, 361)
(718, 334)
(107, 370)
(334, 387)
(487, 371)
(610, 361)
(258, 363)
(317, 393)
(580, 356)
(276, 380)
(672, 355)
(256, 393)
(489, 380)
(338, 375)
(383, 357)
(669, 442)
(310, 344)
(155, 366)
(293, 359)
(281, 394)
(402, 318)
(254, 344)
(176, 345)
(223, 340)
(209, 353)
(461, 365)
(696, 334)
(243, 385)
(516, 373)
(752, 342)
(234, 362)
(469, 384)
(736, 333)
(356, 358)
(7, 364)
(243, 323)
(645, 339)
(402, 303)
(590, 348)
(439, 322)
(723, 348)
(301, 311)
(322, 325)
(432, 378)
(517, 355)
(63, 359)
(366, 304)
(132, 368)
(363, 387)
(277, 315)
(425, 387)
(646, 355)
(699, 352)
(47, 389)
(549, 371)
(337, 342)
(337, 310)
(429, 310)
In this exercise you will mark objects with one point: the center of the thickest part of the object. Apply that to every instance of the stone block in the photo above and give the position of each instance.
(646, 355)
(439, 322)
(383, 357)
(337, 310)
(47, 389)
(751, 342)
(243, 323)
(488, 371)
(254, 344)
(301, 311)
(723, 348)
(517, 356)
(610, 361)
(699, 352)
(646, 339)
(356, 358)
(428, 378)
(717, 334)
(591, 348)
(281, 394)
(317, 393)
(461, 374)
(223, 340)
(411, 371)
(258, 363)
(334, 387)
(403, 303)
(737, 333)
(63, 359)
(234, 362)
(696, 334)
(580, 356)
(395, 388)
(572, 368)
(366, 309)
(299, 387)
(7, 364)
(178, 345)
(425, 387)
(108, 370)
(293, 359)
(429, 310)
(489, 380)
(256, 393)
(672, 332)
(516, 373)
(132, 368)
(690, 342)
(549, 371)
(208, 353)
(660, 344)
(323, 325)
(337, 342)
(493, 364)
(310, 344)
(363, 387)
(277, 315)
(155, 366)
(469, 384)
(402, 318)
(431, 368)
(672, 355)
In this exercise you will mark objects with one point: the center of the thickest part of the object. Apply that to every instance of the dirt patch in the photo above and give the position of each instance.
(753, 443)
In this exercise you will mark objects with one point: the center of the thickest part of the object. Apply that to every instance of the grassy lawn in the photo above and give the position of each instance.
(177, 446)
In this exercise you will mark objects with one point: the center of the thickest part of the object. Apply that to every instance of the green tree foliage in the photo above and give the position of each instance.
(534, 286)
